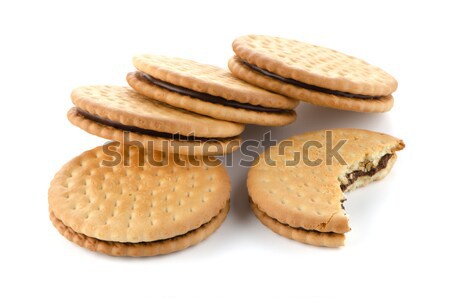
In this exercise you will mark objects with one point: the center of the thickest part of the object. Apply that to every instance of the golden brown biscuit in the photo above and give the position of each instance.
(122, 200)
(208, 90)
(109, 111)
(312, 73)
(300, 182)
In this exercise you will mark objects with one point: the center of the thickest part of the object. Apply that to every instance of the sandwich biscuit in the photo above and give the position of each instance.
(144, 204)
(208, 90)
(110, 111)
(311, 73)
(296, 188)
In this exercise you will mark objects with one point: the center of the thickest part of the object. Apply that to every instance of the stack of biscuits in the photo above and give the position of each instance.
(157, 187)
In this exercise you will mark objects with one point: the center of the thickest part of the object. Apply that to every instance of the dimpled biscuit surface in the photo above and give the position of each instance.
(296, 185)
(124, 105)
(314, 65)
(209, 79)
(134, 202)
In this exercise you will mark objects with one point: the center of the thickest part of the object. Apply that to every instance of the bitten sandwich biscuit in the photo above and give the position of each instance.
(311, 73)
(141, 204)
(297, 187)
(208, 90)
(110, 111)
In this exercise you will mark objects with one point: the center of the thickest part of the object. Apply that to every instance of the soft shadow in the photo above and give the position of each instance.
(240, 208)
(310, 118)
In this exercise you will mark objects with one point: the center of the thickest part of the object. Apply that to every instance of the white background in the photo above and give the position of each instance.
(398, 244)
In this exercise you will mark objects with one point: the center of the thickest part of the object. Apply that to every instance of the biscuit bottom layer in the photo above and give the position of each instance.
(313, 237)
(142, 249)
(145, 131)
(305, 85)
(206, 97)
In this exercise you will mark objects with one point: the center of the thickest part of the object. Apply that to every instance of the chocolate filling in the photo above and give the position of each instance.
(307, 86)
(353, 176)
(342, 202)
(144, 131)
(206, 97)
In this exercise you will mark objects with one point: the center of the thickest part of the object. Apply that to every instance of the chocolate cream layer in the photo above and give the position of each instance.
(353, 176)
(206, 97)
(306, 86)
(144, 131)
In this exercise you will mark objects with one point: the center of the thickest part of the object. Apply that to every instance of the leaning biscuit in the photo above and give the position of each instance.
(297, 187)
(311, 73)
(124, 201)
(121, 114)
(208, 90)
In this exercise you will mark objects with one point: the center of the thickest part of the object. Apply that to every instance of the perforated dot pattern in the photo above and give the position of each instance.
(124, 105)
(134, 203)
(208, 79)
(303, 189)
(314, 65)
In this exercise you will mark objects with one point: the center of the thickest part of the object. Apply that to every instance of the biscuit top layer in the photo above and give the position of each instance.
(307, 193)
(125, 106)
(314, 65)
(137, 203)
(209, 79)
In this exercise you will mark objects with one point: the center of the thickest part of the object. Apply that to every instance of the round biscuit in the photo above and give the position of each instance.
(314, 65)
(121, 193)
(297, 183)
(216, 111)
(127, 107)
(209, 79)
